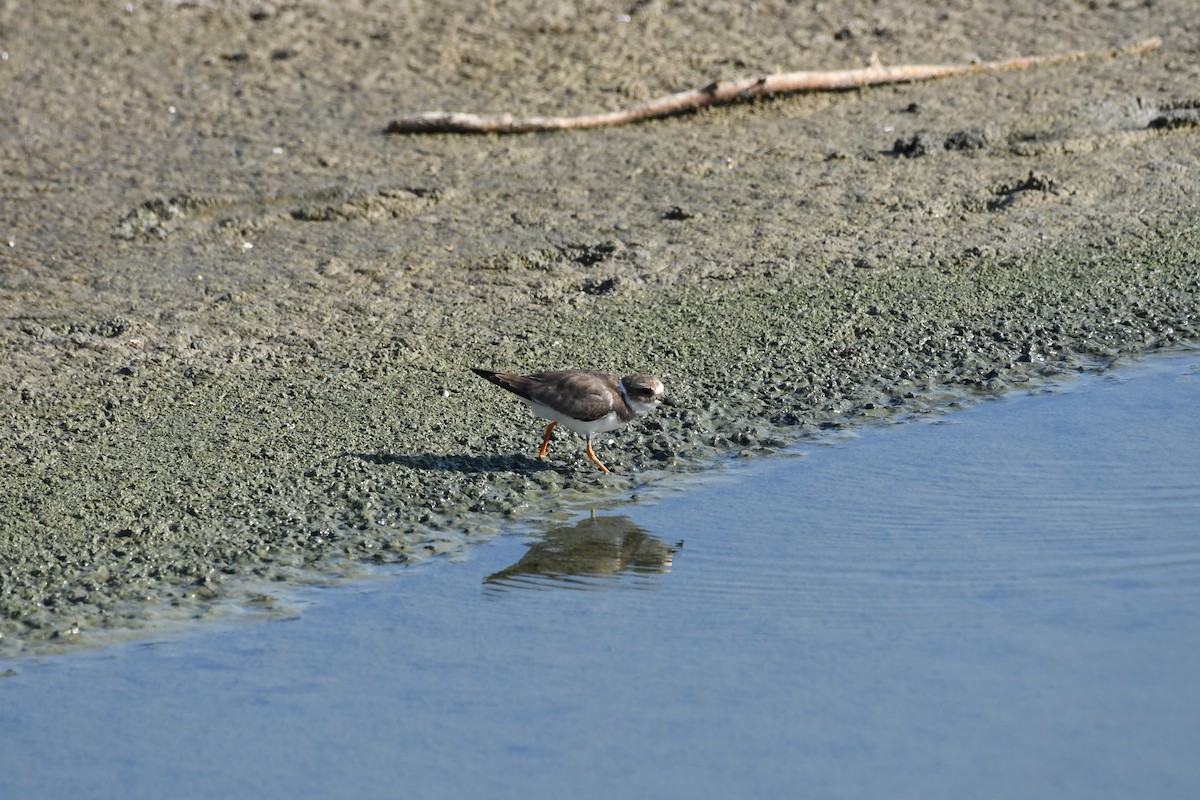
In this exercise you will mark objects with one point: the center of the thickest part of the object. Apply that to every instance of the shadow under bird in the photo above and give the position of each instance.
(585, 401)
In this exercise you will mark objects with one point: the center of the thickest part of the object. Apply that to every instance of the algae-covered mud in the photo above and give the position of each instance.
(237, 319)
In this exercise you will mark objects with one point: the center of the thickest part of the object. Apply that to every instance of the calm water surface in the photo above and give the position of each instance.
(1002, 602)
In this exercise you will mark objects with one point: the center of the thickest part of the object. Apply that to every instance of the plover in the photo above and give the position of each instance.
(583, 400)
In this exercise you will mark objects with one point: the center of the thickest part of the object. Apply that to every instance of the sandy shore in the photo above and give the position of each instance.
(236, 317)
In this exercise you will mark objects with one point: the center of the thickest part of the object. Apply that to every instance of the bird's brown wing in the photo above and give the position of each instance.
(582, 394)
(520, 385)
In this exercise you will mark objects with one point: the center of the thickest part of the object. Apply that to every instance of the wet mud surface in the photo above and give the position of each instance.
(237, 318)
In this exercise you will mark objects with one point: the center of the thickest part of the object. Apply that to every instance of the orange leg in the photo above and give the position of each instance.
(592, 456)
(546, 440)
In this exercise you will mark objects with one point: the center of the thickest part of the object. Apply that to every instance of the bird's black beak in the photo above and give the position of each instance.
(666, 401)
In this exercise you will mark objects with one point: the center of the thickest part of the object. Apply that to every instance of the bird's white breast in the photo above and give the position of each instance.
(609, 422)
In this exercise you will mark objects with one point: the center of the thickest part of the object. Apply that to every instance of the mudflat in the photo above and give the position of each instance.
(237, 317)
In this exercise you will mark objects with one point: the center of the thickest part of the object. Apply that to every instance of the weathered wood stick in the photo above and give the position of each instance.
(731, 91)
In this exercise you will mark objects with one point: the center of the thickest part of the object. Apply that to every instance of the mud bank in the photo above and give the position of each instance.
(236, 319)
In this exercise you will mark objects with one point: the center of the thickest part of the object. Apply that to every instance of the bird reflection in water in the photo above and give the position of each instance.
(595, 553)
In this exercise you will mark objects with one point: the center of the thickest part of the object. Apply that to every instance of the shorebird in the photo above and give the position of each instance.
(583, 400)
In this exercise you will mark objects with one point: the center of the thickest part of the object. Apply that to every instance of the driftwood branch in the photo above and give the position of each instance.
(732, 91)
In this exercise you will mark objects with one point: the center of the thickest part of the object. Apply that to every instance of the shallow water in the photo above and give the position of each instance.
(1002, 601)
